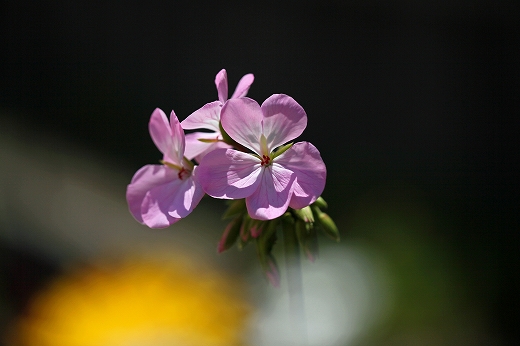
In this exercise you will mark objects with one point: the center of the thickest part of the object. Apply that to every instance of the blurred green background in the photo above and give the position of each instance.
(413, 106)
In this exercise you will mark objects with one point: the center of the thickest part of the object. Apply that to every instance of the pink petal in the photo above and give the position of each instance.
(178, 139)
(229, 174)
(284, 120)
(305, 161)
(272, 197)
(242, 120)
(166, 204)
(169, 139)
(144, 180)
(195, 149)
(222, 85)
(243, 86)
(206, 117)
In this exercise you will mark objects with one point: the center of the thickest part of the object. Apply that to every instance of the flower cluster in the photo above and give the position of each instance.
(247, 157)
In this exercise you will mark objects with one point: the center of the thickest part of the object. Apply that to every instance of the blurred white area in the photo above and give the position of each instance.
(346, 293)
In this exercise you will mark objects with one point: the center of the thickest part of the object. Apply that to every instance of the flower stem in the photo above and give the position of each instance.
(294, 279)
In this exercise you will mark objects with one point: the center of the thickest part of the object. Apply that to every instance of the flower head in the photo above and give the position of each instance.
(208, 117)
(160, 195)
(270, 180)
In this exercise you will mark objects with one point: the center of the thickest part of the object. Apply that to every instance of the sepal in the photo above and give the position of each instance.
(326, 224)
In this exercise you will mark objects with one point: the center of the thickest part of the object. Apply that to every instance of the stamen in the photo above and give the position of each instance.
(266, 160)
(183, 173)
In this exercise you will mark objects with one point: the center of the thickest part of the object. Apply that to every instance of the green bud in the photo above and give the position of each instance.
(320, 203)
(305, 214)
(270, 229)
(329, 227)
(245, 234)
(230, 235)
(257, 226)
(268, 238)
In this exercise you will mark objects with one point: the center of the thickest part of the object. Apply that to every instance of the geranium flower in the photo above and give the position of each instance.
(160, 195)
(270, 180)
(208, 117)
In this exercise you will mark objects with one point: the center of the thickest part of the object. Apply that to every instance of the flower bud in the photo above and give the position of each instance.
(230, 235)
(327, 225)
(320, 203)
(305, 214)
(245, 234)
(257, 226)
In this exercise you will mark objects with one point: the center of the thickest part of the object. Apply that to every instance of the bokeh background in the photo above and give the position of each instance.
(413, 105)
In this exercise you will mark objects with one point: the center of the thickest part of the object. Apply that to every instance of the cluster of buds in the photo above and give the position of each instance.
(305, 223)
(248, 158)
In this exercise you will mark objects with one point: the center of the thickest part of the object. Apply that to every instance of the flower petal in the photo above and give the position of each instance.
(222, 85)
(143, 181)
(206, 117)
(195, 149)
(242, 120)
(272, 197)
(166, 204)
(243, 86)
(178, 139)
(309, 169)
(229, 174)
(169, 138)
(284, 120)
(191, 195)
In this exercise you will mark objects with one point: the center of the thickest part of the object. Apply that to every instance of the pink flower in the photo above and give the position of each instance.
(208, 117)
(160, 195)
(269, 180)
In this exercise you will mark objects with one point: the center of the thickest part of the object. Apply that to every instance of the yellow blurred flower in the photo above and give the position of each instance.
(136, 303)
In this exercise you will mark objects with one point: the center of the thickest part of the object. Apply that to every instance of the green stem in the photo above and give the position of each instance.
(294, 279)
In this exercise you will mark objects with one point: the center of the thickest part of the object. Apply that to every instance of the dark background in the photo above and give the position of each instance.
(420, 97)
